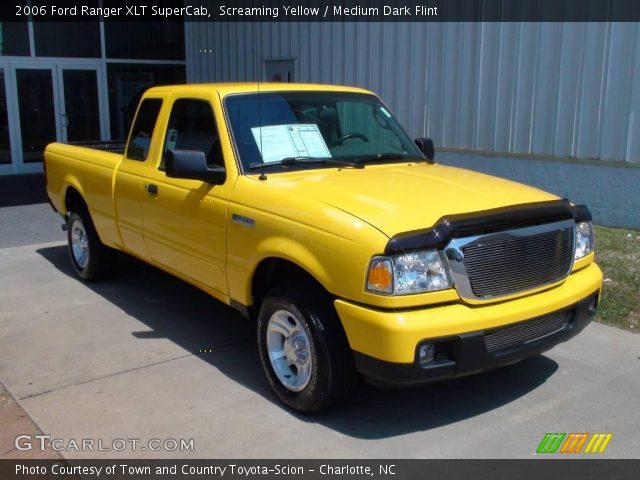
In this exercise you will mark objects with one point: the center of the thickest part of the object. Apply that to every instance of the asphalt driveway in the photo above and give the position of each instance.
(147, 356)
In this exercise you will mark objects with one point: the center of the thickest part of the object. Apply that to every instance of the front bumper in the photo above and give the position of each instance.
(467, 353)
(385, 343)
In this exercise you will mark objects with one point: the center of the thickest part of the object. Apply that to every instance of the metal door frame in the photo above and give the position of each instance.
(9, 88)
(56, 66)
(13, 107)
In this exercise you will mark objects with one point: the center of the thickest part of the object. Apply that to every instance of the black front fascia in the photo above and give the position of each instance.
(466, 353)
(486, 221)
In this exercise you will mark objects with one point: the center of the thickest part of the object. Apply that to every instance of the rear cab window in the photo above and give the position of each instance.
(142, 130)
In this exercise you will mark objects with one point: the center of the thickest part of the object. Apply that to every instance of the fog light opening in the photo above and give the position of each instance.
(426, 354)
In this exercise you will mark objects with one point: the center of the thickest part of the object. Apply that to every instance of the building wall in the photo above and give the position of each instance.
(611, 192)
(545, 89)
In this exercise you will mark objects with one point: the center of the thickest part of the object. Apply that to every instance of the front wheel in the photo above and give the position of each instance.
(304, 351)
(90, 258)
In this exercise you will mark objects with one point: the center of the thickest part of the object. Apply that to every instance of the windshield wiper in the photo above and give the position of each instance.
(387, 156)
(301, 160)
(326, 160)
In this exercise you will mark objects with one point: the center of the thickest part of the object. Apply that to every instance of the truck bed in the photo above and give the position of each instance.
(88, 168)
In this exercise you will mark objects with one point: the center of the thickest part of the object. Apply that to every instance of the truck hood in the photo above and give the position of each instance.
(398, 198)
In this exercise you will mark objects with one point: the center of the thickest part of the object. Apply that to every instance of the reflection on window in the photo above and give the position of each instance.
(144, 40)
(37, 117)
(53, 39)
(350, 125)
(126, 85)
(14, 38)
(81, 105)
(193, 127)
(140, 141)
(356, 117)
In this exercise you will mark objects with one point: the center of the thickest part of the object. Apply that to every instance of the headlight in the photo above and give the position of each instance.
(412, 273)
(584, 240)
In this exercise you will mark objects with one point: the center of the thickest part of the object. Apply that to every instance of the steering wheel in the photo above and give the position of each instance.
(348, 136)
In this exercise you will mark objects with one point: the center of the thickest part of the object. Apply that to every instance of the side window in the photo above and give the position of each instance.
(140, 138)
(192, 126)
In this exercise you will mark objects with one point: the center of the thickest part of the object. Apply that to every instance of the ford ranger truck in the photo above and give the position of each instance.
(308, 208)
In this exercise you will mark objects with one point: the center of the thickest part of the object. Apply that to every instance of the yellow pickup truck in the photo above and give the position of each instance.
(308, 208)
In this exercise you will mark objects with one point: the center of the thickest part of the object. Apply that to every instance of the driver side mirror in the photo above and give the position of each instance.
(426, 147)
(192, 164)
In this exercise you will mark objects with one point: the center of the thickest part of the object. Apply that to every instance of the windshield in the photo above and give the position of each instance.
(314, 129)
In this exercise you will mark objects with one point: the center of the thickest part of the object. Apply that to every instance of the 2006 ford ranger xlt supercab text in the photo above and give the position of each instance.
(309, 208)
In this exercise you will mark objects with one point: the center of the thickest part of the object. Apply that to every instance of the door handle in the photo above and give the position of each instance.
(151, 188)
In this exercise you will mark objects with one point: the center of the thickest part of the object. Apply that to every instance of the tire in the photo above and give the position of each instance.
(303, 349)
(90, 258)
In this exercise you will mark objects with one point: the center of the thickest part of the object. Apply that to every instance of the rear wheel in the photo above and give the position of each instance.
(303, 349)
(90, 258)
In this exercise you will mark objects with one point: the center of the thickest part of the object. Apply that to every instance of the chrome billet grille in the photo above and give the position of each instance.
(526, 332)
(505, 265)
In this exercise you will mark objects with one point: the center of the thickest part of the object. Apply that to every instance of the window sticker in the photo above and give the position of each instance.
(281, 141)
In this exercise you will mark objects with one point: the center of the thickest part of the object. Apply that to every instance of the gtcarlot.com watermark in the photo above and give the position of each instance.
(44, 442)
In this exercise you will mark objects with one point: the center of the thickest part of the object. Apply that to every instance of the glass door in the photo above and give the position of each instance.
(48, 102)
(38, 113)
(81, 101)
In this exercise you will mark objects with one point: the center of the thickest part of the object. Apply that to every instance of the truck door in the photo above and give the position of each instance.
(130, 189)
(185, 220)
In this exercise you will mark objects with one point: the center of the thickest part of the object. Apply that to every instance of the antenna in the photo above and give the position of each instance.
(255, 40)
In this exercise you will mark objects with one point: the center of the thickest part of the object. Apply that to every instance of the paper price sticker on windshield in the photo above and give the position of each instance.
(281, 141)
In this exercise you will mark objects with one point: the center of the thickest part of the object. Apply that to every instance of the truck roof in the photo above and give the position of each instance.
(253, 87)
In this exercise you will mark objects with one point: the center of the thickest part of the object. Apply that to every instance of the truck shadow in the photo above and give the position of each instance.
(22, 190)
(174, 310)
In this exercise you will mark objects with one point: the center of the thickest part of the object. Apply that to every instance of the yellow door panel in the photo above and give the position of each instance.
(130, 197)
(185, 220)
(130, 182)
(185, 229)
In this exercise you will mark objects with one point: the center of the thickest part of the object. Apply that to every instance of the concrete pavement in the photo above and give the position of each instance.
(25, 217)
(147, 356)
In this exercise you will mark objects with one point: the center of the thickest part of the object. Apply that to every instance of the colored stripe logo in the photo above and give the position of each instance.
(598, 443)
(574, 442)
(550, 442)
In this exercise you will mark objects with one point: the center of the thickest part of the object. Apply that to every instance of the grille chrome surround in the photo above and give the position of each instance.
(512, 262)
(522, 333)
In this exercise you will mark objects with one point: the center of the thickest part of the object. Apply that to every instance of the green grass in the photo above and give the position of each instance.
(618, 254)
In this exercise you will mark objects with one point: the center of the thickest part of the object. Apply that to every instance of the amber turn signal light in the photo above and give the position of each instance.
(380, 276)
